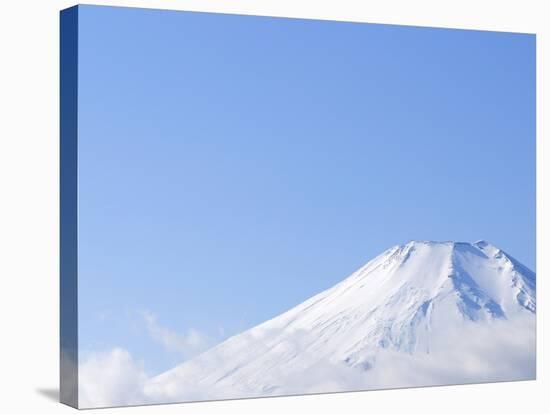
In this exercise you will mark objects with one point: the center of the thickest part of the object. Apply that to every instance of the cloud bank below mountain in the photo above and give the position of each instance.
(420, 314)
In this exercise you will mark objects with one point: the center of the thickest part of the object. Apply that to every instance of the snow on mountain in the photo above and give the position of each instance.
(446, 311)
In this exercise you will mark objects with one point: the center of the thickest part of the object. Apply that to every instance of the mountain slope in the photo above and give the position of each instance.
(405, 302)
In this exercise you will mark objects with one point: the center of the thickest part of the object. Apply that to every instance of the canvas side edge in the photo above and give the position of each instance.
(68, 380)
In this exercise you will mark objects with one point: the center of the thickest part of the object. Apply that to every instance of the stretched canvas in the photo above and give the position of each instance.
(256, 206)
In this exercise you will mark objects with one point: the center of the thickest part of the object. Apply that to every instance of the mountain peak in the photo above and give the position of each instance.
(479, 243)
(394, 302)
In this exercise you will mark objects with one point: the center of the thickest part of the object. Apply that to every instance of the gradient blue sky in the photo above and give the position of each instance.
(231, 166)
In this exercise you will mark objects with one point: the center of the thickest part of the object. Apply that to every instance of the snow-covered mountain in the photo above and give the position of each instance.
(443, 310)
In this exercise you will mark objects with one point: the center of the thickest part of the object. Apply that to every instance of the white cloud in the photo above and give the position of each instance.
(475, 353)
(109, 379)
(114, 377)
(187, 344)
(499, 351)
(504, 350)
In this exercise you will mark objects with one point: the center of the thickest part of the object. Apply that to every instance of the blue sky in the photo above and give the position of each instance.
(232, 166)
